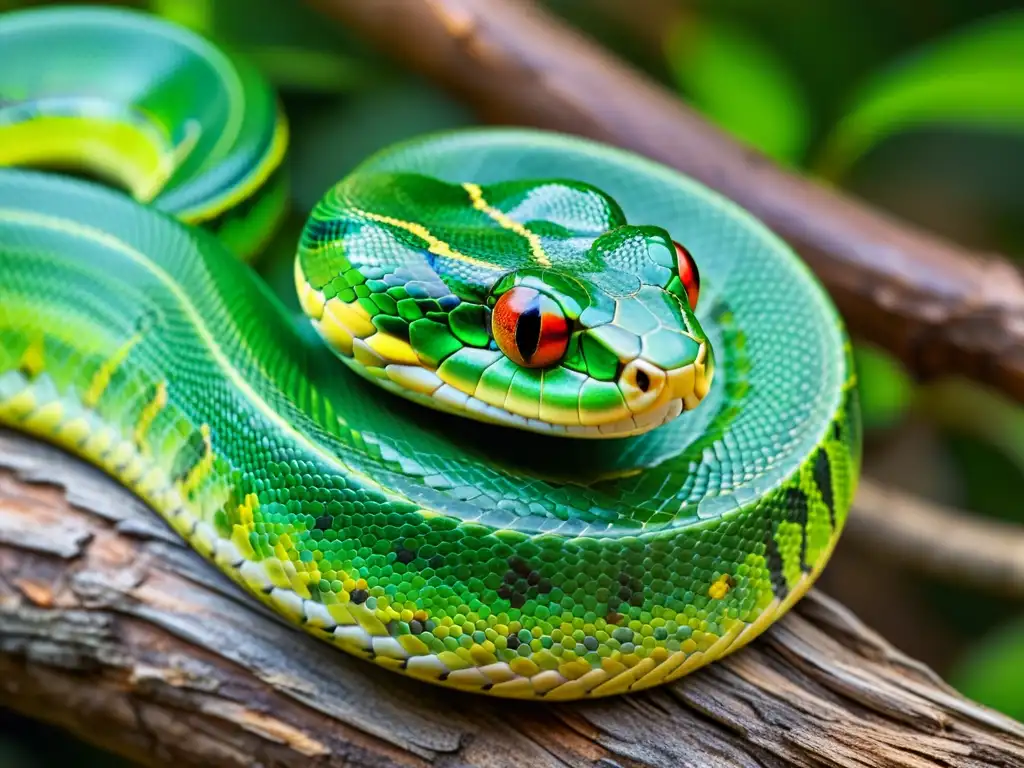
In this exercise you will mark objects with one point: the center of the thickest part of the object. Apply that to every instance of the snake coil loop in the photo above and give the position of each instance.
(533, 466)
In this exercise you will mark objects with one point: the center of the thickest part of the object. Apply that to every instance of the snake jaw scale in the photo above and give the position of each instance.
(310, 300)
(392, 350)
(415, 378)
(367, 357)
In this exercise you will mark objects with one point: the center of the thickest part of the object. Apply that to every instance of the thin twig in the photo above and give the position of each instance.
(941, 308)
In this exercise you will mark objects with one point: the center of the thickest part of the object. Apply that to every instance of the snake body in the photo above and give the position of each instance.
(538, 463)
(149, 107)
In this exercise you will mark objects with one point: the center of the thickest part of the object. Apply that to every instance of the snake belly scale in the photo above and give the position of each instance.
(526, 451)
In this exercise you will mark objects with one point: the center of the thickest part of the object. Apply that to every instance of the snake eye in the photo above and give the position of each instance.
(688, 274)
(530, 328)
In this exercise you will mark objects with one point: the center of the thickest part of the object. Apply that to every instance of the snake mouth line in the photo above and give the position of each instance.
(451, 400)
(392, 364)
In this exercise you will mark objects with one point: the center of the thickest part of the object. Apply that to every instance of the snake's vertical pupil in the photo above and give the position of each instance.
(688, 274)
(530, 328)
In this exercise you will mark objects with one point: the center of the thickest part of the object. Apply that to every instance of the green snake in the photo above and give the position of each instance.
(547, 457)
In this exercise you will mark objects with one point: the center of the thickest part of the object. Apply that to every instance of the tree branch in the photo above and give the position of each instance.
(112, 628)
(940, 308)
(940, 541)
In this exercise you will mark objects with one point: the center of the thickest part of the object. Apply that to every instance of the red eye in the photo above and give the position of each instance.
(530, 328)
(688, 274)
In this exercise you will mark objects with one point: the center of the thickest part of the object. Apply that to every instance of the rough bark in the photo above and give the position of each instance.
(941, 308)
(113, 629)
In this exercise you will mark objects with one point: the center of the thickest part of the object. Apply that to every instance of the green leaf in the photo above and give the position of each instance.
(741, 84)
(992, 670)
(886, 390)
(971, 79)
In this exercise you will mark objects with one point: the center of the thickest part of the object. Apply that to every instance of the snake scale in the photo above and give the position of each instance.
(587, 426)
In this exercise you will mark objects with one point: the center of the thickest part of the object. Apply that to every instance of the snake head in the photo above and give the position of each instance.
(532, 304)
(612, 350)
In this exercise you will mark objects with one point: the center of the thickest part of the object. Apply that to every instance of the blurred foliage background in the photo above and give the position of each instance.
(917, 107)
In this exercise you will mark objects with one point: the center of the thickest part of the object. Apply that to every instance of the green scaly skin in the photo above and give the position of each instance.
(150, 107)
(520, 562)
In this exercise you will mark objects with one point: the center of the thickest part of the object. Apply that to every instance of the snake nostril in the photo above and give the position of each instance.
(643, 381)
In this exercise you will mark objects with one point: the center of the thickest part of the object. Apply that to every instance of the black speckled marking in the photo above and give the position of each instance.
(190, 454)
(773, 559)
(27, 371)
(796, 504)
(823, 479)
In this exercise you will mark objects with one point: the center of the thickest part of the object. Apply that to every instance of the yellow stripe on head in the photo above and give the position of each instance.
(476, 195)
(436, 246)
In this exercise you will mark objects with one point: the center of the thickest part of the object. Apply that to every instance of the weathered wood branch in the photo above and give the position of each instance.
(113, 629)
(941, 308)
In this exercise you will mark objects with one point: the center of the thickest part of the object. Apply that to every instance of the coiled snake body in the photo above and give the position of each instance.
(551, 461)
